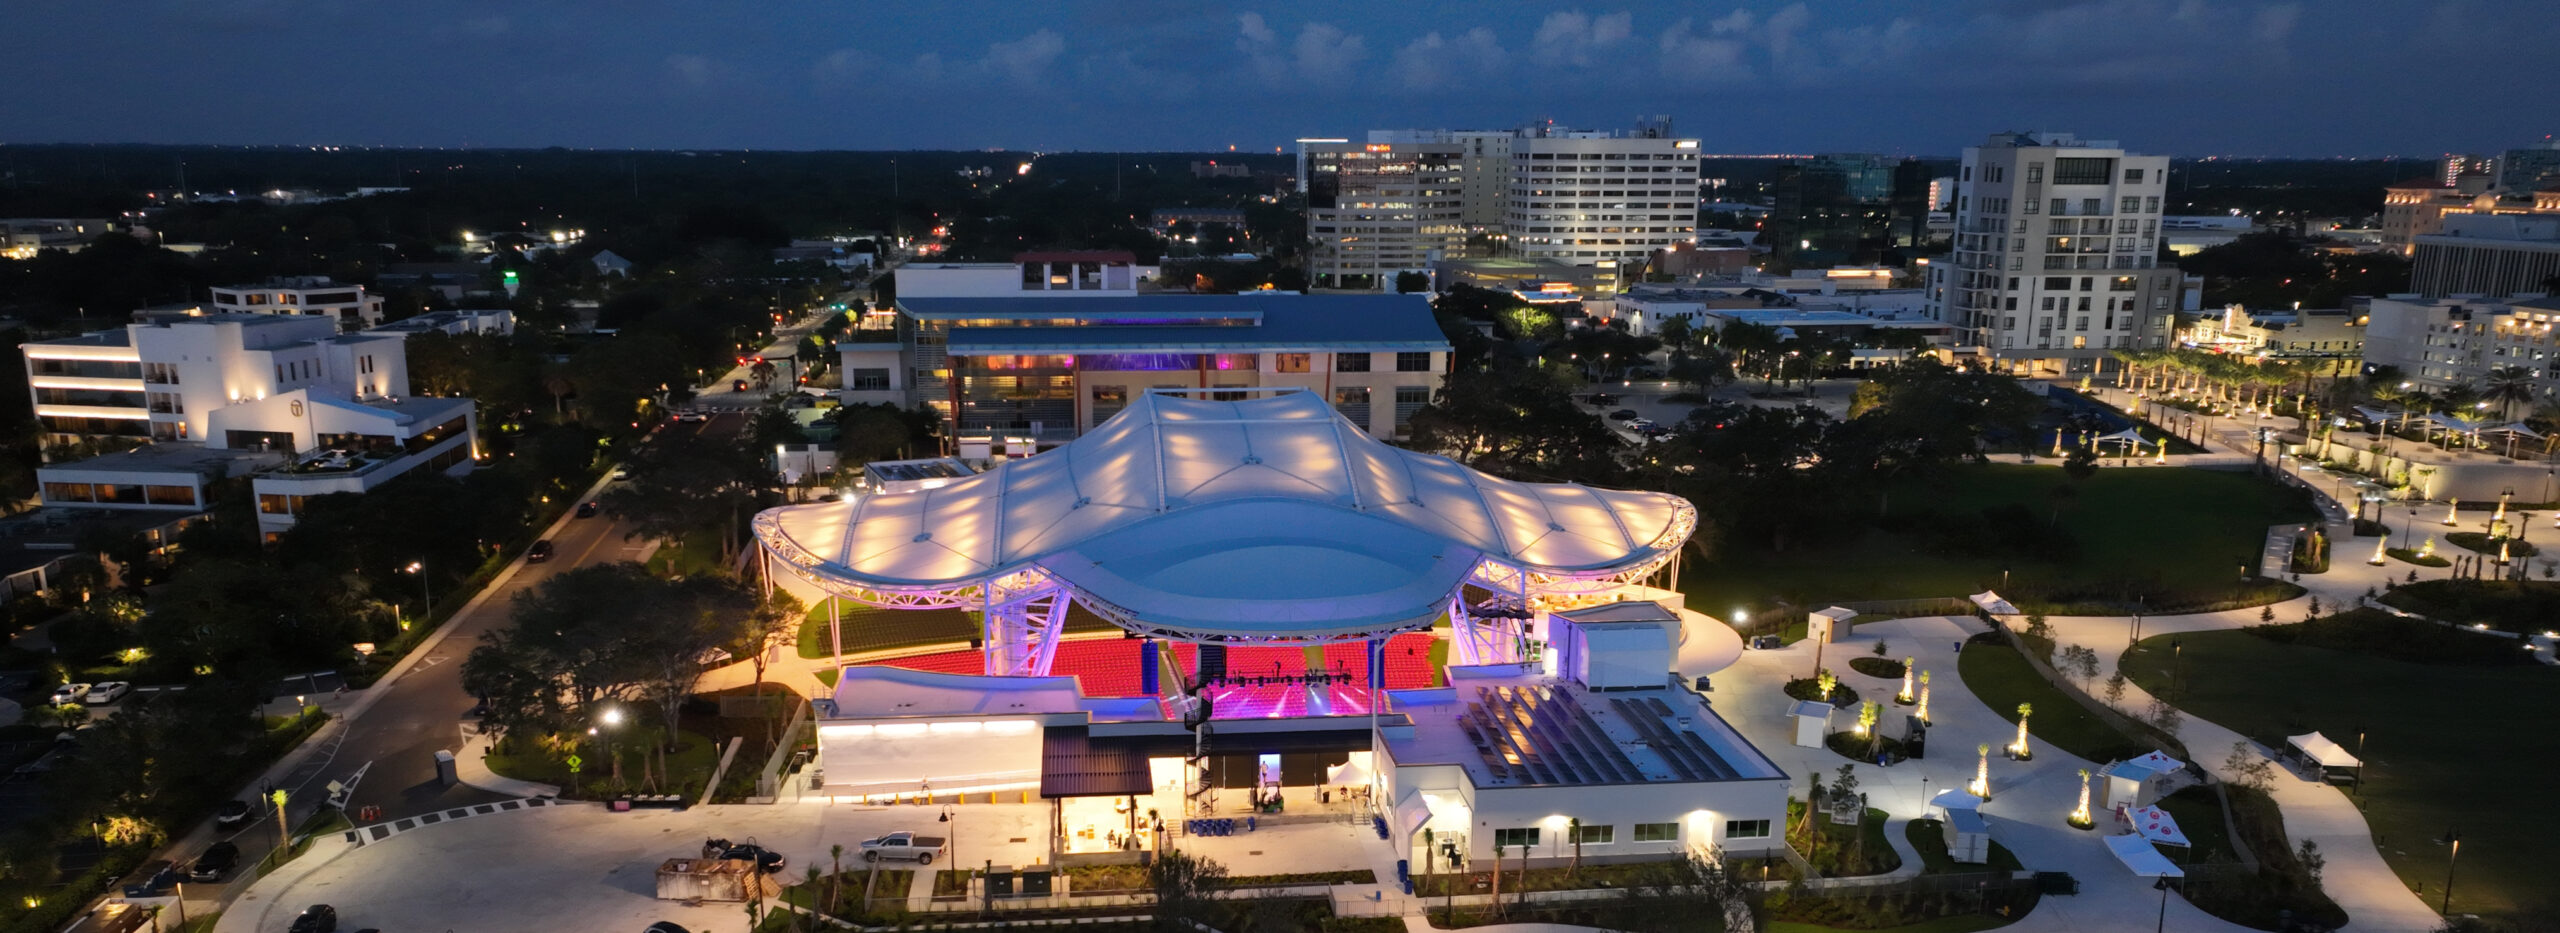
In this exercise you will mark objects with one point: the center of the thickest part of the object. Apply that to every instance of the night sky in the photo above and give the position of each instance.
(2182, 77)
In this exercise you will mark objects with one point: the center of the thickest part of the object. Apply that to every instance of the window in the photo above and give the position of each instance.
(2032, 205)
(2133, 176)
(1289, 362)
(1353, 403)
(2093, 205)
(2035, 173)
(1351, 362)
(1410, 362)
(2083, 171)
(2151, 205)
(1409, 399)
(2057, 283)
(1594, 835)
(1527, 836)
(2128, 204)
(868, 380)
(1746, 829)
(1657, 832)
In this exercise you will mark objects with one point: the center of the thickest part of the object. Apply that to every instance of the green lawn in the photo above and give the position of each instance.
(694, 554)
(2448, 747)
(2174, 537)
(2530, 607)
(1960, 923)
(2002, 678)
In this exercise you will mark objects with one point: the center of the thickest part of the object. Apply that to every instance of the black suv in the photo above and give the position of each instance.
(216, 862)
(539, 552)
(317, 918)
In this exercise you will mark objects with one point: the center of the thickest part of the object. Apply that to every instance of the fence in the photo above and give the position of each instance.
(1928, 606)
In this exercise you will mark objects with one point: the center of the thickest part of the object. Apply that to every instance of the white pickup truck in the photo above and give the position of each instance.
(904, 846)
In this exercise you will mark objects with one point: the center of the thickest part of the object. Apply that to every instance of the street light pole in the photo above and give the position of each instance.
(426, 590)
(2455, 838)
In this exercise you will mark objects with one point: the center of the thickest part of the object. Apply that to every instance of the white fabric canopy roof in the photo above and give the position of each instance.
(1346, 774)
(2453, 424)
(1267, 516)
(1955, 800)
(2139, 769)
(2146, 862)
(2378, 414)
(2516, 427)
(1992, 603)
(2152, 823)
(2126, 436)
(2321, 750)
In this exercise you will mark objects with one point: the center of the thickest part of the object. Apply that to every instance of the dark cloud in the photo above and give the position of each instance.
(2179, 76)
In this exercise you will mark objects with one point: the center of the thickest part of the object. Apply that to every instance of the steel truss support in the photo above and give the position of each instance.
(1022, 636)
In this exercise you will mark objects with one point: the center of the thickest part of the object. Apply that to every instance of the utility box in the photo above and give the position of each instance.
(1036, 881)
(445, 774)
(1000, 881)
(1915, 738)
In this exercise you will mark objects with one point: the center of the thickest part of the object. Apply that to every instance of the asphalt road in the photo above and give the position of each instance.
(422, 712)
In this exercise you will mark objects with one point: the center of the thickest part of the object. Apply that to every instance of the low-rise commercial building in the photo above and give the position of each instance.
(345, 303)
(2334, 335)
(1050, 362)
(308, 410)
(2490, 254)
(2440, 342)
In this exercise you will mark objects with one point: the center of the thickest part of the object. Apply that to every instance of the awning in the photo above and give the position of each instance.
(2516, 427)
(2126, 436)
(2152, 823)
(2144, 861)
(2318, 748)
(1074, 764)
(1412, 811)
(2378, 414)
(2453, 424)
(1993, 604)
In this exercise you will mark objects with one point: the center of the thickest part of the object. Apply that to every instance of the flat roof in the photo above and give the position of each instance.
(1266, 322)
(1546, 732)
(171, 457)
(1793, 317)
(907, 470)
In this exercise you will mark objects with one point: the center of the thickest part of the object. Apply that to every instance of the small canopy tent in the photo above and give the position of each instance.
(2144, 861)
(2333, 761)
(2126, 436)
(1347, 774)
(2132, 783)
(2152, 823)
(1952, 800)
(1992, 603)
(2379, 415)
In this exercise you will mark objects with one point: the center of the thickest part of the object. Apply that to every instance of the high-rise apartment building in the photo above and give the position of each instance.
(1377, 209)
(2454, 165)
(2055, 261)
(1406, 198)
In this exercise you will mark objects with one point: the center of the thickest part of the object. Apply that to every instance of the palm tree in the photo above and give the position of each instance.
(2507, 385)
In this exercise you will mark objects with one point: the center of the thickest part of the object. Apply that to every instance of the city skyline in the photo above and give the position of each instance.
(2185, 78)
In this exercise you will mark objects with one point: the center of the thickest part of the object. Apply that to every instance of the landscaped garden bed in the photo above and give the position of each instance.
(2478, 543)
(1807, 688)
(2528, 606)
(2406, 556)
(1886, 668)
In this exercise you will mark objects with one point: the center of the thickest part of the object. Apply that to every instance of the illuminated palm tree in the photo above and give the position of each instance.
(2507, 385)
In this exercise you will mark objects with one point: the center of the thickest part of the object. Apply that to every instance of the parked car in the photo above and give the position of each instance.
(904, 845)
(1640, 425)
(539, 552)
(106, 693)
(586, 510)
(1623, 414)
(233, 813)
(693, 416)
(1603, 399)
(69, 693)
(767, 860)
(216, 862)
(737, 385)
(317, 918)
(621, 472)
